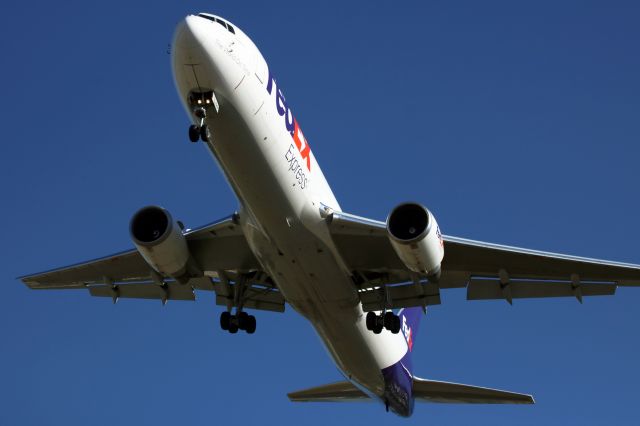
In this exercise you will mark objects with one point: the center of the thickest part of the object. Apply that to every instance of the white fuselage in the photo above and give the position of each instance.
(282, 193)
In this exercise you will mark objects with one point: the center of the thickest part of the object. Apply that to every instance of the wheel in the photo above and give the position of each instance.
(243, 320)
(251, 325)
(389, 320)
(225, 318)
(396, 325)
(233, 328)
(205, 133)
(371, 320)
(377, 329)
(194, 133)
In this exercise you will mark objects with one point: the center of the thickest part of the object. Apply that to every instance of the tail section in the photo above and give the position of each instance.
(423, 391)
(409, 323)
(402, 387)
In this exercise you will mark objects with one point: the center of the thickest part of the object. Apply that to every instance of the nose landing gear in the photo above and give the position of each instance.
(202, 131)
(200, 103)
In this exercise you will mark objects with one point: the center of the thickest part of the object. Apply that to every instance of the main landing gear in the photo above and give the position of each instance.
(386, 319)
(241, 321)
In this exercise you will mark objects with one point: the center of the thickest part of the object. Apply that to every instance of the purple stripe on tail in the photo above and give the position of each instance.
(409, 323)
(398, 377)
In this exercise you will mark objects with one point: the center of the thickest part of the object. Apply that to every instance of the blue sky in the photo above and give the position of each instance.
(514, 122)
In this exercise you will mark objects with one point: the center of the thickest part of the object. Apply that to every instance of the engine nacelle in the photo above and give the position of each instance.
(416, 238)
(159, 240)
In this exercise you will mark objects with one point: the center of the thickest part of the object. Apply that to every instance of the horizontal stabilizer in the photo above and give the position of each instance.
(435, 391)
(334, 392)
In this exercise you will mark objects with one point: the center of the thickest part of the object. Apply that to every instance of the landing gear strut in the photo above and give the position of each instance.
(386, 319)
(241, 320)
(202, 131)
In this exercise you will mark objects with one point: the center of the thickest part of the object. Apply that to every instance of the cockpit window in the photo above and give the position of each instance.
(219, 21)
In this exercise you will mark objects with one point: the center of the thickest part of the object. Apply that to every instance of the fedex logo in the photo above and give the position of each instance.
(406, 330)
(290, 122)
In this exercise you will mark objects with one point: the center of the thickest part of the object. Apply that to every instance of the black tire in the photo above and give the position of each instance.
(389, 320)
(243, 320)
(194, 133)
(225, 318)
(205, 133)
(233, 329)
(251, 325)
(371, 320)
(396, 325)
(377, 329)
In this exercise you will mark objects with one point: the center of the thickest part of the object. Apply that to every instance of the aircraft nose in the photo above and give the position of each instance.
(201, 55)
(189, 38)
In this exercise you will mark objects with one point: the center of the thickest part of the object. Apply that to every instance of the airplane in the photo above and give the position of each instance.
(364, 285)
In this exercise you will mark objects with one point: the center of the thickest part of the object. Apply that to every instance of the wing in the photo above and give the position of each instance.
(489, 271)
(220, 250)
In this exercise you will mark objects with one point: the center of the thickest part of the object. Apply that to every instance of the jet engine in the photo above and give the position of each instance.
(416, 238)
(159, 240)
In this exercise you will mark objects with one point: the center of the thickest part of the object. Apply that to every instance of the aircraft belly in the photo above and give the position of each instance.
(314, 285)
(281, 220)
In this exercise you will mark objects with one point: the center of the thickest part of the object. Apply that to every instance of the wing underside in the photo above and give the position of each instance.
(488, 271)
(220, 250)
